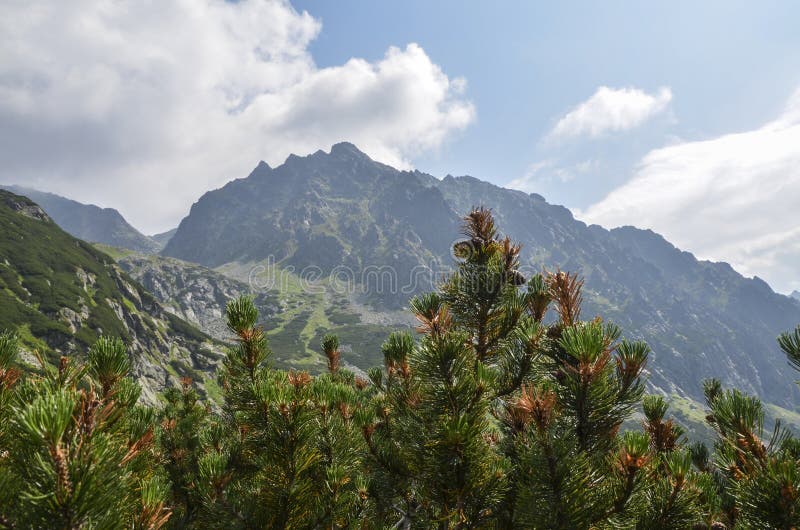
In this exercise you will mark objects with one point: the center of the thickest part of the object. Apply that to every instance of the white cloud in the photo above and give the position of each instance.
(548, 171)
(734, 198)
(611, 110)
(145, 105)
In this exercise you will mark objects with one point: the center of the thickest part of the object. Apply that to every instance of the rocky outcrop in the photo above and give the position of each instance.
(24, 206)
(164, 347)
(194, 293)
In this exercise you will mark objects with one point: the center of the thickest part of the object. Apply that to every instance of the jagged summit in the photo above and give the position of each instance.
(341, 151)
(346, 149)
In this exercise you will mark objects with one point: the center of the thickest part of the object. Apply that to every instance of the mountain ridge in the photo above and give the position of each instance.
(343, 209)
(89, 222)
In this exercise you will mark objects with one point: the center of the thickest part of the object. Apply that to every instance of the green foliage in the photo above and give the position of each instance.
(769, 498)
(189, 436)
(790, 344)
(285, 438)
(75, 458)
(108, 363)
(330, 347)
(756, 481)
(44, 275)
(494, 416)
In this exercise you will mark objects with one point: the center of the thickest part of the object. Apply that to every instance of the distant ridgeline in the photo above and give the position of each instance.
(92, 223)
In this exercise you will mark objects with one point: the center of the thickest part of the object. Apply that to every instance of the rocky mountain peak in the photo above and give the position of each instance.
(342, 208)
(346, 150)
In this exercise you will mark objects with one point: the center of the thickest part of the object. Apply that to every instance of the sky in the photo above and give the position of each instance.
(683, 117)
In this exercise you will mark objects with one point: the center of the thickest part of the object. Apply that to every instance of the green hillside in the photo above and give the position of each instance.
(61, 294)
(89, 222)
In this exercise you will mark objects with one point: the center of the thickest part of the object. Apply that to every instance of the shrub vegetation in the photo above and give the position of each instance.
(505, 410)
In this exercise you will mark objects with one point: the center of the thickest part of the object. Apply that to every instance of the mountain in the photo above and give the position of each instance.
(795, 294)
(193, 292)
(61, 294)
(388, 233)
(702, 319)
(295, 318)
(323, 212)
(89, 222)
(163, 238)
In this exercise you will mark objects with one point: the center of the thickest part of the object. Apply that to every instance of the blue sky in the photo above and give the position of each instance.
(683, 117)
(731, 66)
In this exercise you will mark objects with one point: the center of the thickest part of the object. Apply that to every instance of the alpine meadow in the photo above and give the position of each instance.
(248, 281)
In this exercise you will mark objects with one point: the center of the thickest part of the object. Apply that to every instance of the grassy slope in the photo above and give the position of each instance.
(296, 333)
(39, 266)
(48, 278)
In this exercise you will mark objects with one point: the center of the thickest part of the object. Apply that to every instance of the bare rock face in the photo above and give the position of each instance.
(72, 318)
(164, 347)
(24, 206)
(323, 212)
(194, 293)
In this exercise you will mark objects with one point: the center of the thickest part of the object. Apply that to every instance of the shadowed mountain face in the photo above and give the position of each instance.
(60, 294)
(89, 222)
(325, 210)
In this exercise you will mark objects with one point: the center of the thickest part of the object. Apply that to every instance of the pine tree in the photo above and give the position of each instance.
(496, 418)
(754, 476)
(506, 410)
(75, 449)
(185, 434)
(291, 456)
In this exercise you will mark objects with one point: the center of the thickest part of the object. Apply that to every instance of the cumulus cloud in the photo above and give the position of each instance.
(733, 198)
(143, 106)
(611, 110)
